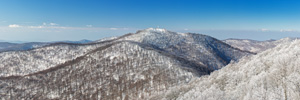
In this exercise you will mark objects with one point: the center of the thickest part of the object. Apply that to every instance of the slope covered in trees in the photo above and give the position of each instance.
(203, 49)
(26, 62)
(132, 66)
(256, 46)
(271, 75)
(121, 70)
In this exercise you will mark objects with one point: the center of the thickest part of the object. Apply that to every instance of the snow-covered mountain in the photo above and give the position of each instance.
(271, 75)
(256, 46)
(26, 62)
(105, 39)
(203, 49)
(120, 70)
(79, 42)
(132, 66)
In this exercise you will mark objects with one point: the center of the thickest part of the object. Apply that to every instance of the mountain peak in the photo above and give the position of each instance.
(288, 39)
(156, 30)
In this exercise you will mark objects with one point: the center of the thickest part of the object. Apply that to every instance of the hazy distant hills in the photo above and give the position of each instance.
(138, 65)
(256, 46)
(6, 46)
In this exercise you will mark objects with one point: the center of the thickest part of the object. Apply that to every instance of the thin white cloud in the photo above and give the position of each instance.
(89, 25)
(287, 30)
(53, 27)
(185, 29)
(53, 24)
(113, 28)
(35, 26)
(14, 26)
(50, 24)
(264, 30)
(45, 25)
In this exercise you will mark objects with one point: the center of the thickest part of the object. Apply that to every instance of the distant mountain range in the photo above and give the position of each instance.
(139, 65)
(256, 46)
(6, 46)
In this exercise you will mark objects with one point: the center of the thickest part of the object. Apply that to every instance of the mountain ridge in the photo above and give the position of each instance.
(272, 74)
(256, 46)
(148, 47)
(215, 56)
(198, 45)
(176, 72)
(135, 65)
(7, 46)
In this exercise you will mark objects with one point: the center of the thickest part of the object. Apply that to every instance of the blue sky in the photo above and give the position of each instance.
(52, 20)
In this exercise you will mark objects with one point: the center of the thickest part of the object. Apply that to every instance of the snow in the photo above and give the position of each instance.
(256, 46)
(150, 63)
(194, 47)
(156, 30)
(138, 74)
(106, 39)
(270, 75)
(26, 62)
